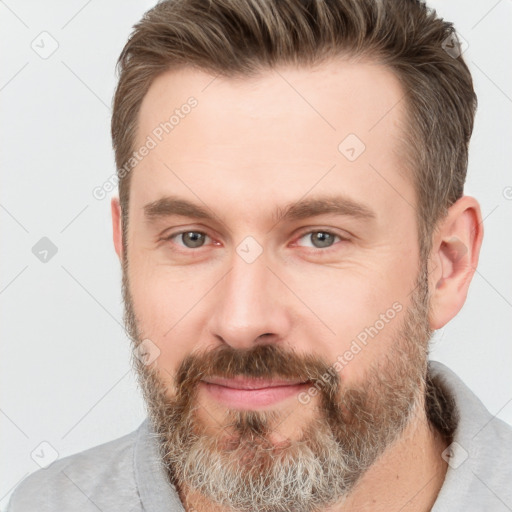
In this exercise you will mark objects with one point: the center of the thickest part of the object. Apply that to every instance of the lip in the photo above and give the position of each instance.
(247, 393)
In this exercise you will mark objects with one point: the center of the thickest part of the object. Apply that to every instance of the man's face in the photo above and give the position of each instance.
(257, 295)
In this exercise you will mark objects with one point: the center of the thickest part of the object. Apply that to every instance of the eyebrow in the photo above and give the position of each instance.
(170, 205)
(312, 207)
(302, 209)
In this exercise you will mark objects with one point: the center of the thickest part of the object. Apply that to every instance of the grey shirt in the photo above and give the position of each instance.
(126, 474)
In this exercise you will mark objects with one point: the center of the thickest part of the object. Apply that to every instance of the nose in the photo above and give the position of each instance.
(250, 306)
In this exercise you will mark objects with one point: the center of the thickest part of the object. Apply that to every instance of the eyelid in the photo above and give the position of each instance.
(301, 234)
(329, 231)
(182, 232)
(344, 235)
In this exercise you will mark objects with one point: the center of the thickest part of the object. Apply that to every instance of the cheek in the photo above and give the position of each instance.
(162, 293)
(353, 314)
(166, 307)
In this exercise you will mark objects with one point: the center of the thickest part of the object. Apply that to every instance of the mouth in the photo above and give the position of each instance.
(250, 393)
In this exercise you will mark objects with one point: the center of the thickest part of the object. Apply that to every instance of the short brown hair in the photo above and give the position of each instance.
(244, 37)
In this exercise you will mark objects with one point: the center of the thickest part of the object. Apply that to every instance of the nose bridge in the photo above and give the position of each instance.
(248, 304)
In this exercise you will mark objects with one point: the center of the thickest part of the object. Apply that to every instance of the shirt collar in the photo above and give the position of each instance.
(155, 490)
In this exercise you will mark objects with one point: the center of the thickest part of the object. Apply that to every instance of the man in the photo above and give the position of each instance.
(292, 228)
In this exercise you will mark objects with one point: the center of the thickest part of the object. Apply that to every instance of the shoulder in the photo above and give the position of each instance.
(94, 479)
(479, 473)
(489, 456)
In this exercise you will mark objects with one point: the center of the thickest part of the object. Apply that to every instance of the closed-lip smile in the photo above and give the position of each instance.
(248, 392)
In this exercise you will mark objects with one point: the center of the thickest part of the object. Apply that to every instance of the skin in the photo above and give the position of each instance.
(252, 145)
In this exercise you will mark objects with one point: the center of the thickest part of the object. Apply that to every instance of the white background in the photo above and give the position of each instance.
(65, 362)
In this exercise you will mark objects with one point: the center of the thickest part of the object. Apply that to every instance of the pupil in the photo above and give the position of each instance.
(193, 239)
(321, 239)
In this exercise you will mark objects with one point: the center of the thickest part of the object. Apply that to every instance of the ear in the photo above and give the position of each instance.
(117, 229)
(454, 257)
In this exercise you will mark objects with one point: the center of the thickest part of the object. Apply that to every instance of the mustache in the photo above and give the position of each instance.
(261, 361)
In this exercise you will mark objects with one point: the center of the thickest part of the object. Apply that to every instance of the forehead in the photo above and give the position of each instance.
(275, 135)
(335, 96)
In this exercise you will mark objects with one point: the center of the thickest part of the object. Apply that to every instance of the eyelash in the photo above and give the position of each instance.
(325, 231)
(302, 235)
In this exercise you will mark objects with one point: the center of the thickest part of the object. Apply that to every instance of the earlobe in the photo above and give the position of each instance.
(455, 251)
(117, 230)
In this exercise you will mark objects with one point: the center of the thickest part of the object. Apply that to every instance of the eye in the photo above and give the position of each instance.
(319, 239)
(189, 239)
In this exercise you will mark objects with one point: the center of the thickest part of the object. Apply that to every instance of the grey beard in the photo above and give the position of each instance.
(243, 471)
